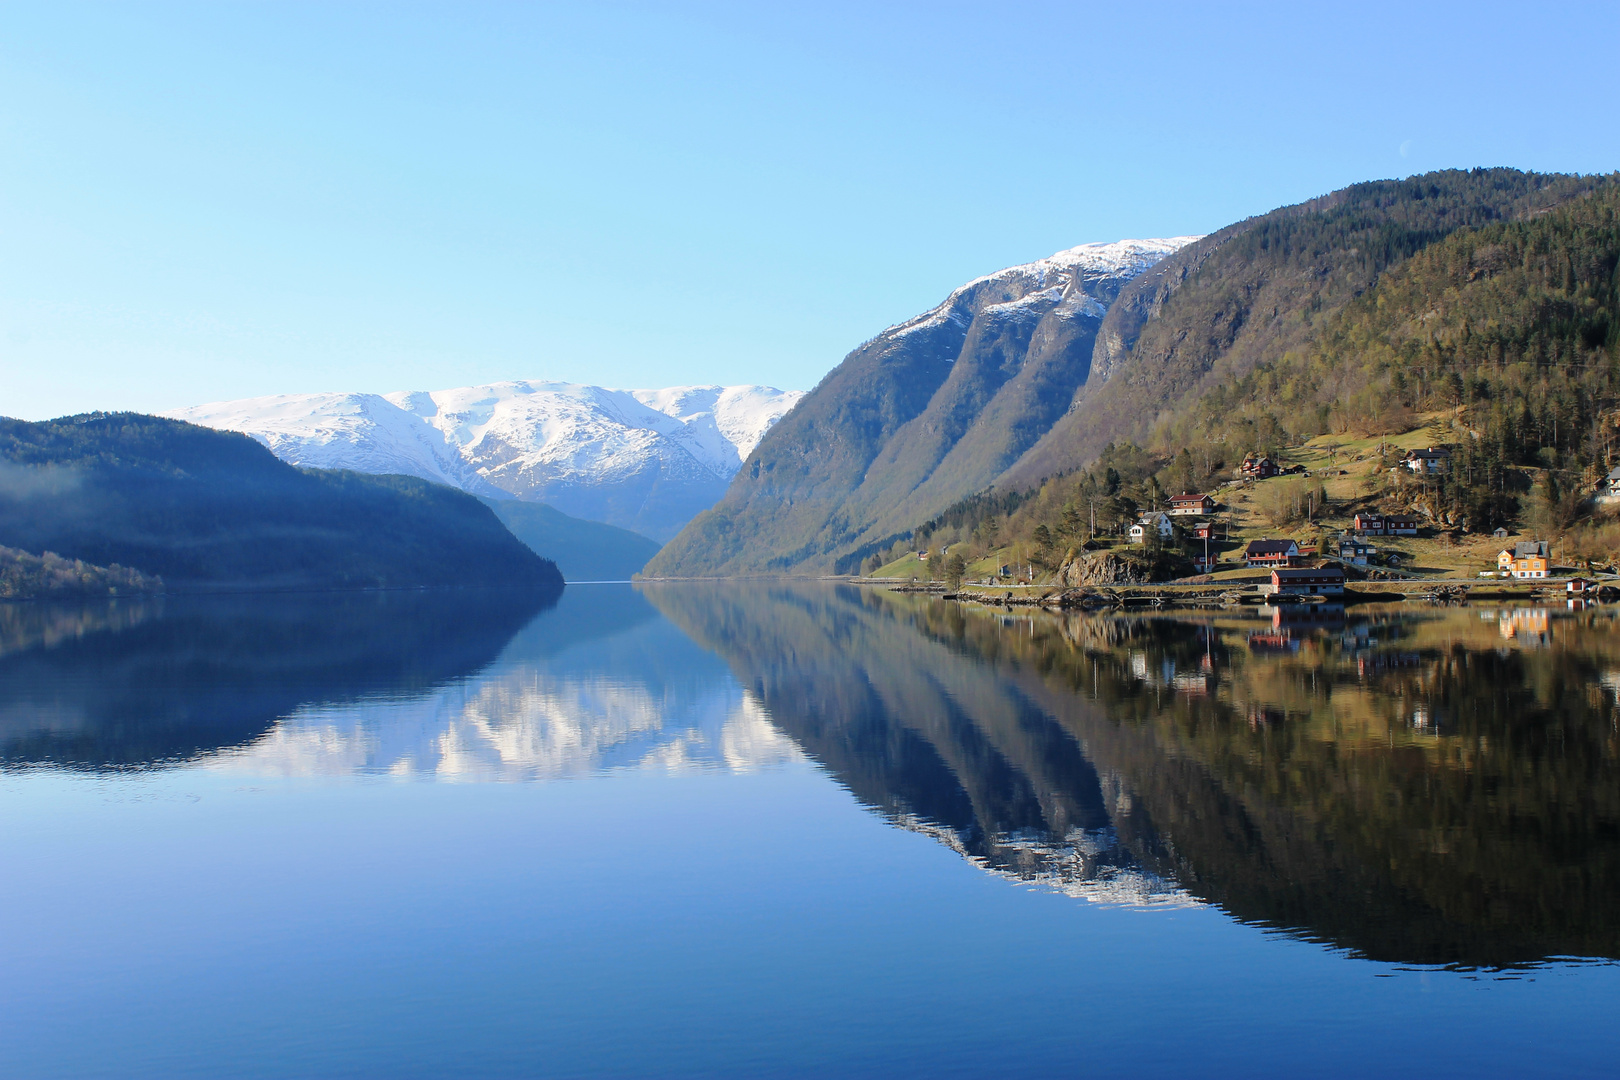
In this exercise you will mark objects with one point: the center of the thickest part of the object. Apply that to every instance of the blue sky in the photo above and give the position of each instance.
(215, 201)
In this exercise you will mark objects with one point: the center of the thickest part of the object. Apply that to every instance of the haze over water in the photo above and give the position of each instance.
(769, 829)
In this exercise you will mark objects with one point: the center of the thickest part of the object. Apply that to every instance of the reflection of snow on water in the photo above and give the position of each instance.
(522, 725)
(1085, 864)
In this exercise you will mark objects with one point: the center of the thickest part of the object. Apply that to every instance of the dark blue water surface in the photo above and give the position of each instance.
(804, 830)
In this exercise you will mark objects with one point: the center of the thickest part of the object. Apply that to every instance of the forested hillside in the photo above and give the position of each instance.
(1262, 289)
(1241, 341)
(1502, 342)
(205, 509)
(24, 576)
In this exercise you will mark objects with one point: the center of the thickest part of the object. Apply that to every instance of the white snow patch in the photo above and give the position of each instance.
(511, 438)
(1045, 279)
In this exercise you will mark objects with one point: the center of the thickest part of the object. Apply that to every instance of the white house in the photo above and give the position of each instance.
(1431, 459)
(1148, 523)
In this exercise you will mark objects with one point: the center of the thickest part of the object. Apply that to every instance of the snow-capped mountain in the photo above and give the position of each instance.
(647, 460)
(1078, 281)
(919, 416)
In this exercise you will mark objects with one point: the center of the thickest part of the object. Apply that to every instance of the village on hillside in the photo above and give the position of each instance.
(1308, 520)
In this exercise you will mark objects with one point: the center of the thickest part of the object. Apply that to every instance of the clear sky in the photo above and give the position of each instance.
(228, 200)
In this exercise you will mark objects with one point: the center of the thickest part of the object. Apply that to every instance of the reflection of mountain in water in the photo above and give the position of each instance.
(456, 684)
(598, 683)
(937, 742)
(120, 685)
(1415, 788)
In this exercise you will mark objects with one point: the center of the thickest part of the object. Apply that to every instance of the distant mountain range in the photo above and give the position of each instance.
(215, 511)
(644, 460)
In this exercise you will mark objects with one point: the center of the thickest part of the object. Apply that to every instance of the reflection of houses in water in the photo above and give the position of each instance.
(1260, 716)
(1610, 681)
(1527, 626)
(1191, 682)
(1166, 672)
(1425, 720)
(1306, 615)
(1370, 664)
(1292, 624)
(1275, 640)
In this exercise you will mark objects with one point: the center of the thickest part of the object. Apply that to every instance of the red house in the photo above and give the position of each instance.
(1320, 581)
(1271, 553)
(1259, 468)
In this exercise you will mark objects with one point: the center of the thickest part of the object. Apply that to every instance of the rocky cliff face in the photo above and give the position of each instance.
(1104, 568)
(925, 412)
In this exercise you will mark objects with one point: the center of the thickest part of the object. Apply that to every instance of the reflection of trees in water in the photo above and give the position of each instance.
(31, 625)
(1411, 787)
(121, 685)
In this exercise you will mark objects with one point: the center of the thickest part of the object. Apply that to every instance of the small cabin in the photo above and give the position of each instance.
(1431, 459)
(1204, 530)
(1580, 586)
(1355, 552)
(1259, 468)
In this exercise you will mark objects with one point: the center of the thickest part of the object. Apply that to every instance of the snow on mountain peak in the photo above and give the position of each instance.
(1071, 276)
(644, 459)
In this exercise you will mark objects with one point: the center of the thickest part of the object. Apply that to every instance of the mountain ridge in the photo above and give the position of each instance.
(210, 510)
(940, 402)
(892, 436)
(644, 460)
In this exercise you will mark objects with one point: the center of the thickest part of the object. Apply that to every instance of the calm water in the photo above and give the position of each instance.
(806, 830)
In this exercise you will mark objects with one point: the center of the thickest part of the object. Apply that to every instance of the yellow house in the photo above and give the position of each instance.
(1526, 559)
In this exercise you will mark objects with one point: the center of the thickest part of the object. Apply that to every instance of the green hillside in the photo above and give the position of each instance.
(1240, 341)
(583, 550)
(209, 510)
(1262, 289)
(1502, 342)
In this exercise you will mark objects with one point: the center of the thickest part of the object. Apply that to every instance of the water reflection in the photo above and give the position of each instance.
(1418, 786)
(477, 684)
(599, 683)
(121, 684)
